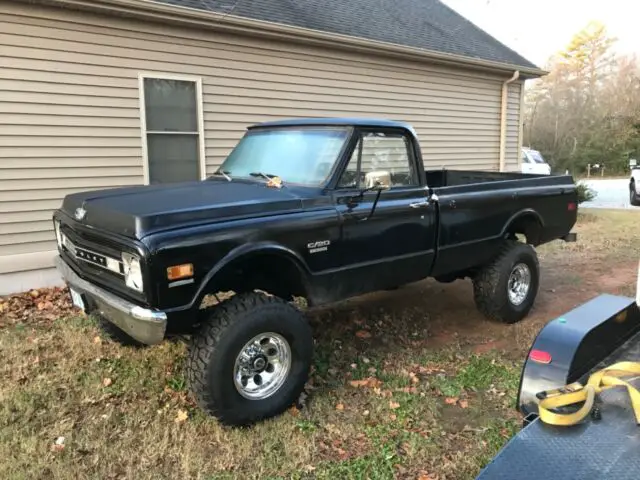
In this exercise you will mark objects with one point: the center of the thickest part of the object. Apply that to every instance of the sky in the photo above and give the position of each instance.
(538, 29)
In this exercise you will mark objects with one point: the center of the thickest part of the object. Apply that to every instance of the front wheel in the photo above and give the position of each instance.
(250, 360)
(506, 289)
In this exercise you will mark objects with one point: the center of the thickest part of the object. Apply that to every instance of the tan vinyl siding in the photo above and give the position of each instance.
(70, 113)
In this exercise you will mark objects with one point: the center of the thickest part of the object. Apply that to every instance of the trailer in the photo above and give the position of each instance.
(579, 398)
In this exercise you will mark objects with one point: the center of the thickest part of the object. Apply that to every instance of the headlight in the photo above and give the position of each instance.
(56, 225)
(132, 271)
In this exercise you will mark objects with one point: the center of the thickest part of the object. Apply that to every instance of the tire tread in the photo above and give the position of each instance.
(204, 342)
(485, 284)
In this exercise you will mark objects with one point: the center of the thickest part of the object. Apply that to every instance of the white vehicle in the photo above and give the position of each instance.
(533, 162)
(634, 187)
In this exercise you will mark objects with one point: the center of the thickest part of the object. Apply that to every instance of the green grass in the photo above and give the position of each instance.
(433, 409)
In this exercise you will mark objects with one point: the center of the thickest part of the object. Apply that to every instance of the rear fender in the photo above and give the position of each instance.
(573, 344)
(526, 215)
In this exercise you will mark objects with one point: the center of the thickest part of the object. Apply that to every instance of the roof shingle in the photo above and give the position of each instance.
(423, 24)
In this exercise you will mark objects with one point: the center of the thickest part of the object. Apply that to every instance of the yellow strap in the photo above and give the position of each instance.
(575, 393)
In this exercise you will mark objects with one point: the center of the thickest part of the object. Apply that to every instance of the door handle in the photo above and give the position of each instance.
(433, 198)
(424, 203)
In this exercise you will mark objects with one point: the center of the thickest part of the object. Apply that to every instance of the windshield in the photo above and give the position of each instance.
(302, 156)
(537, 157)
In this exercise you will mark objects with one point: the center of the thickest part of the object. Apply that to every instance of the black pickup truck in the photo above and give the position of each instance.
(323, 209)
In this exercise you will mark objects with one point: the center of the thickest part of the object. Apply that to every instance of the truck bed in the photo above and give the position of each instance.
(455, 178)
(608, 448)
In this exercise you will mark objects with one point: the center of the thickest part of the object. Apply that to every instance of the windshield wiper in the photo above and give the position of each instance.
(272, 180)
(224, 173)
(266, 176)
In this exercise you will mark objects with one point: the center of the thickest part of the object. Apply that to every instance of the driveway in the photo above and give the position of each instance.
(612, 193)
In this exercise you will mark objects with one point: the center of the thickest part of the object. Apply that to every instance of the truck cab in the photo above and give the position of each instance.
(534, 162)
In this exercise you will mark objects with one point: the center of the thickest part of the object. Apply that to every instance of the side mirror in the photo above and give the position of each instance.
(378, 180)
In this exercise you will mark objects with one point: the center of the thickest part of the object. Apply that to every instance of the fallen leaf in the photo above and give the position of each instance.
(182, 416)
(463, 404)
(58, 445)
(393, 404)
(425, 476)
(374, 382)
(408, 390)
(363, 334)
(97, 340)
(392, 416)
(106, 381)
(294, 411)
(450, 400)
(340, 406)
(359, 383)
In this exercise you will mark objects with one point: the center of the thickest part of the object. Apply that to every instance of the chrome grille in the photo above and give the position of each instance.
(95, 258)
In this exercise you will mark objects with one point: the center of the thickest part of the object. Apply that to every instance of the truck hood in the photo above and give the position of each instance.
(139, 211)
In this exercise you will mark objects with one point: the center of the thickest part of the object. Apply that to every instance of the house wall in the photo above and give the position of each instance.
(70, 112)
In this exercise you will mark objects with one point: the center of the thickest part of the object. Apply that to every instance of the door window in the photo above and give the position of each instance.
(382, 156)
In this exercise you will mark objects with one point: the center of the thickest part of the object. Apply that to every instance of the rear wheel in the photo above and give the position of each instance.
(506, 289)
(634, 198)
(251, 359)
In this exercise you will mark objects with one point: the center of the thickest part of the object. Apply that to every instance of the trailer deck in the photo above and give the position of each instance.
(605, 448)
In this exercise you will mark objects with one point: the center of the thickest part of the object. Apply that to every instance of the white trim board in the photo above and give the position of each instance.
(143, 119)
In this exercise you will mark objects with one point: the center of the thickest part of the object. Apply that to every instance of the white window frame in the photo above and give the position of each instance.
(143, 119)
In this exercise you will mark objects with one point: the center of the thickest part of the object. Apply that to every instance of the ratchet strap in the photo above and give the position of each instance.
(576, 393)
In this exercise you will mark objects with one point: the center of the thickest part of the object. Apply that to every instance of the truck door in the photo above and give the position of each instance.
(390, 241)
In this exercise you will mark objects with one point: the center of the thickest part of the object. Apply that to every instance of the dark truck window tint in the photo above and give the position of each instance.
(172, 130)
(303, 156)
(380, 152)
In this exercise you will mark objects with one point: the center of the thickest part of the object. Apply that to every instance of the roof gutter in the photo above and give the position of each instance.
(503, 118)
(226, 22)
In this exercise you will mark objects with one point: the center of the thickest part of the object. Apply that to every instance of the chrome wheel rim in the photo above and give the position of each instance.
(262, 366)
(519, 283)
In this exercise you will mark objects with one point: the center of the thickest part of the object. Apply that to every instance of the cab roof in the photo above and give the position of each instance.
(337, 121)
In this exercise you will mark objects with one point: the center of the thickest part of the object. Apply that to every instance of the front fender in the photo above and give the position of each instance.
(243, 252)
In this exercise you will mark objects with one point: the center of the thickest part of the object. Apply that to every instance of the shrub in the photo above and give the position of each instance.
(585, 194)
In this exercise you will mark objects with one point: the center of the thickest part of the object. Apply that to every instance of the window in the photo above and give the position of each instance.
(172, 129)
(380, 152)
(537, 157)
(303, 156)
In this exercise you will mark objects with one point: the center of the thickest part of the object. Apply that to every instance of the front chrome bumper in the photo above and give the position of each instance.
(145, 325)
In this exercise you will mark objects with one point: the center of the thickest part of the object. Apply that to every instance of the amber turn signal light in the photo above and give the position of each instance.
(180, 271)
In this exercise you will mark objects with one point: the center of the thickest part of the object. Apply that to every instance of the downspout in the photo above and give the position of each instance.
(503, 117)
